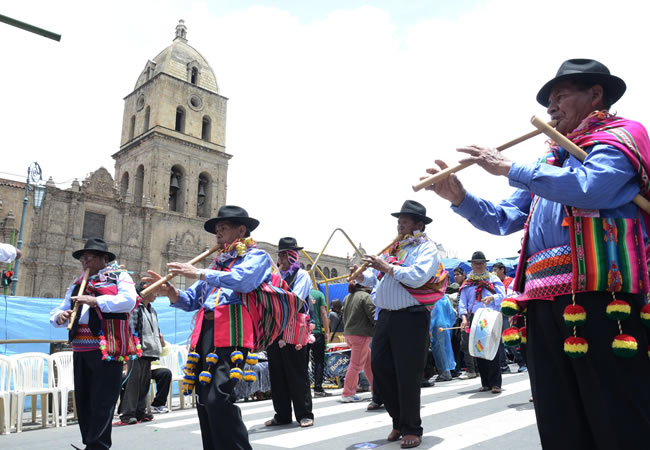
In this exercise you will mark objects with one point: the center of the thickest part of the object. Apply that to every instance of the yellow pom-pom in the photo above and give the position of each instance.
(509, 307)
(625, 345)
(236, 374)
(193, 357)
(575, 347)
(211, 359)
(250, 376)
(251, 359)
(205, 378)
(236, 357)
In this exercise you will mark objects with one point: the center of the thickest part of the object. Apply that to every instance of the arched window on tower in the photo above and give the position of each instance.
(132, 127)
(124, 185)
(206, 128)
(180, 119)
(326, 272)
(204, 196)
(147, 113)
(139, 183)
(194, 77)
(176, 189)
(334, 273)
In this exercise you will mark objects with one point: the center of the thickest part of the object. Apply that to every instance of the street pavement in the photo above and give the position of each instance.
(454, 415)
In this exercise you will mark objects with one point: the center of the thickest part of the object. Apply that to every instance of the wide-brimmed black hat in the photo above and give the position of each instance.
(414, 208)
(587, 70)
(95, 245)
(233, 214)
(288, 243)
(478, 257)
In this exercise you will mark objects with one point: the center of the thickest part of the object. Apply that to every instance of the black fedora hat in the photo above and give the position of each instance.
(233, 214)
(95, 245)
(588, 70)
(288, 243)
(414, 208)
(478, 257)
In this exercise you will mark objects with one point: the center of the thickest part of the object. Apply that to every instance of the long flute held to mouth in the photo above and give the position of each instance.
(433, 179)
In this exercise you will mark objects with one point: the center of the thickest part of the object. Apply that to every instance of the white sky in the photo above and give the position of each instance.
(335, 108)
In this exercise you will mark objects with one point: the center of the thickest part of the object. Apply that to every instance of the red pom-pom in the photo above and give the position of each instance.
(575, 315)
(618, 310)
(645, 315)
(524, 335)
(625, 345)
(575, 347)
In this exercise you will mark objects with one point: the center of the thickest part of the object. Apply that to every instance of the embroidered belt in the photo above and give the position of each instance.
(548, 274)
(84, 340)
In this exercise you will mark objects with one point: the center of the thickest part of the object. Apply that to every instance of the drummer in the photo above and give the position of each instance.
(482, 289)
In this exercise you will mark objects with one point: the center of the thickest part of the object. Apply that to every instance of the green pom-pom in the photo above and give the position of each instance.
(509, 307)
(511, 337)
(645, 315)
(576, 347)
(575, 315)
(618, 310)
(625, 346)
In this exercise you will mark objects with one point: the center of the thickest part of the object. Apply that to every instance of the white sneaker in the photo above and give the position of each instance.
(159, 409)
(350, 399)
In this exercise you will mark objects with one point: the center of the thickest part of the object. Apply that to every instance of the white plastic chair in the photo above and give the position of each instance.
(174, 361)
(5, 394)
(64, 381)
(27, 373)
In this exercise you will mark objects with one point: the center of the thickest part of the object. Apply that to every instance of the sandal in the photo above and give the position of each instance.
(394, 435)
(496, 390)
(274, 423)
(484, 389)
(306, 422)
(410, 441)
(373, 406)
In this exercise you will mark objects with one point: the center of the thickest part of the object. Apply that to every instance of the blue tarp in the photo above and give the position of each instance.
(29, 318)
(337, 291)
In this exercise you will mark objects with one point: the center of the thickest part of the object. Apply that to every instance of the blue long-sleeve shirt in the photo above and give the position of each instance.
(606, 181)
(467, 303)
(420, 264)
(222, 288)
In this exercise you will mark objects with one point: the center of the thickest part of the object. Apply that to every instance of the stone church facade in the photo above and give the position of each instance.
(170, 175)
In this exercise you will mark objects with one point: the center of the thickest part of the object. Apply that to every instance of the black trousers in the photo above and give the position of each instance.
(134, 401)
(289, 382)
(398, 346)
(222, 426)
(317, 350)
(490, 371)
(599, 401)
(163, 378)
(96, 389)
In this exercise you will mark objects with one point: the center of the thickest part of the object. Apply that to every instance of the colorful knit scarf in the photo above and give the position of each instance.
(294, 261)
(479, 282)
(238, 247)
(601, 127)
(398, 249)
(103, 282)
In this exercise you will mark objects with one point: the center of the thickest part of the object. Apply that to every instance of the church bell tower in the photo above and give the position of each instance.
(172, 152)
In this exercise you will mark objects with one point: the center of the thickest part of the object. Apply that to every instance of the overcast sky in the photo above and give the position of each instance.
(335, 107)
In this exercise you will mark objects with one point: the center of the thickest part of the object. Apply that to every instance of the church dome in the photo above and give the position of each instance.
(181, 61)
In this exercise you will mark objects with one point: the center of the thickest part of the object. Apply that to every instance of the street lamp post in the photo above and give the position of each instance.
(34, 175)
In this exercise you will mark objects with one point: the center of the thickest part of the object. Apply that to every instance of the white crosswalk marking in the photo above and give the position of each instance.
(454, 416)
(303, 438)
(475, 431)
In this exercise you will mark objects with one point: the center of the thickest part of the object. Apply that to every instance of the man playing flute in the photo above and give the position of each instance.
(97, 378)
(582, 269)
(401, 334)
(223, 333)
